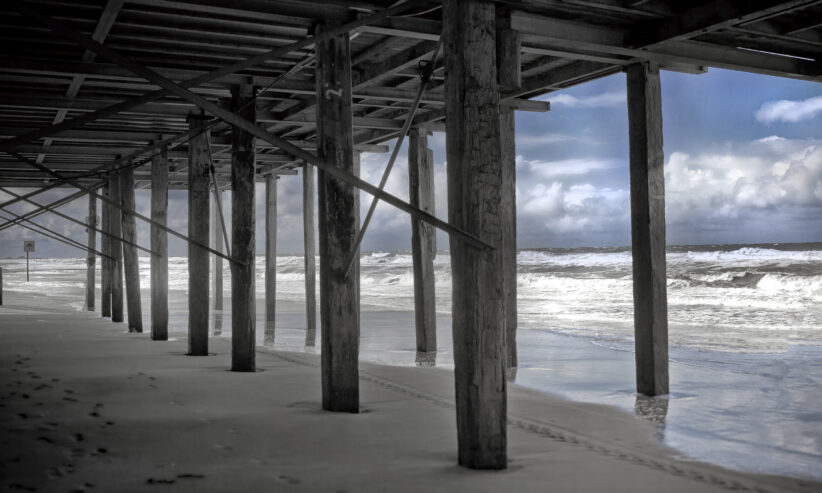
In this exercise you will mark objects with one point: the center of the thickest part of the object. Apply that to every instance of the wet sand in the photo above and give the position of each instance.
(89, 407)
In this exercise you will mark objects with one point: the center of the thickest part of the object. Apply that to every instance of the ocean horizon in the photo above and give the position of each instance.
(745, 332)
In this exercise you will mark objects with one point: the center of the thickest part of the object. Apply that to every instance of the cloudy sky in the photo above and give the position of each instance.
(743, 164)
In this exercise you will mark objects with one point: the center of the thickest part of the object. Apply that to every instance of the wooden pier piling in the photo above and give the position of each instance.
(475, 206)
(648, 228)
(423, 239)
(91, 258)
(309, 250)
(217, 235)
(105, 262)
(338, 225)
(131, 261)
(198, 219)
(116, 224)
(159, 245)
(243, 304)
(270, 256)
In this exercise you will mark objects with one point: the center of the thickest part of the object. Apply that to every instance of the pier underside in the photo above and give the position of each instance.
(106, 96)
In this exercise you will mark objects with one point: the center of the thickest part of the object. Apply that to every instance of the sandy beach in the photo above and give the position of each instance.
(88, 407)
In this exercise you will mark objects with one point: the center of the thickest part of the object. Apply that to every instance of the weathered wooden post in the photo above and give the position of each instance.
(1, 285)
(217, 276)
(508, 76)
(91, 259)
(270, 256)
(243, 311)
(116, 251)
(475, 206)
(105, 271)
(198, 219)
(130, 258)
(423, 239)
(159, 245)
(338, 225)
(217, 235)
(648, 228)
(309, 257)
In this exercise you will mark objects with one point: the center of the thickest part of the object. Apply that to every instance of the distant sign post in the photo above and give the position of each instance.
(28, 246)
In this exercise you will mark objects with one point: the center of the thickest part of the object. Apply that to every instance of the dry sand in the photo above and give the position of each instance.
(88, 407)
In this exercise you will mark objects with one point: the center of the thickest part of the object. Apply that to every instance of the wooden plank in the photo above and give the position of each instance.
(270, 257)
(309, 256)
(338, 225)
(159, 245)
(243, 311)
(423, 239)
(116, 251)
(648, 228)
(508, 156)
(91, 259)
(198, 219)
(130, 259)
(105, 266)
(475, 206)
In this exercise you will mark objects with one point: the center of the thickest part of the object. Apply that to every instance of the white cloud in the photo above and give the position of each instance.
(566, 167)
(603, 100)
(767, 174)
(791, 111)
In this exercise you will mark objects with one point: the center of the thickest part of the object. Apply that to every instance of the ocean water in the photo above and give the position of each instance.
(745, 332)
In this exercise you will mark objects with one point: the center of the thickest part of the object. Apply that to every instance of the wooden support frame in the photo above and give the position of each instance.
(116, 205)
(50, 233)
(52, 209)
(648, 228)
(338, 226)
(196, 81)
(253, 129)
(198, 230)
(474, 205)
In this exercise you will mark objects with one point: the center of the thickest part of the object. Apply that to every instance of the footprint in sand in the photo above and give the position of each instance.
(288, 479)
(95, 412)
(190, 476)
(160, 481)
